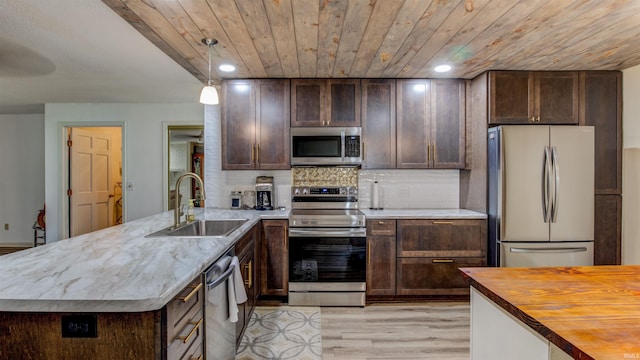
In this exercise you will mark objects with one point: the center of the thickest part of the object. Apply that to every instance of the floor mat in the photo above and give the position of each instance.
(281, 333)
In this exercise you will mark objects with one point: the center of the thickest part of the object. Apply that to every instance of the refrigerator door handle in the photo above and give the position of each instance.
(550, 250)
(556, 184)
(546, 211)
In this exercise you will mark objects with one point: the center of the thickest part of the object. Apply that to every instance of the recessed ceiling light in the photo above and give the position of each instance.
(442, 68)
(226, 67)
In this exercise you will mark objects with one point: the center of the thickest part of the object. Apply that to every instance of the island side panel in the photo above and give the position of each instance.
(119, 336)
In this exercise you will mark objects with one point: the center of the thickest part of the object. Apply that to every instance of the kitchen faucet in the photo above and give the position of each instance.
(176, 209)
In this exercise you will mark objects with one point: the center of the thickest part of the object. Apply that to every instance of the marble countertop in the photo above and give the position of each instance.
(423, 214)
(119, 270)
(116, 269)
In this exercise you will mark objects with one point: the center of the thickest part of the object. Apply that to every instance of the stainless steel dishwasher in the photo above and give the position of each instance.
(220, 332)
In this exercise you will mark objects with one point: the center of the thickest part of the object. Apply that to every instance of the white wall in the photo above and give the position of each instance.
(21, 177)
(142, 147)
(631, 166)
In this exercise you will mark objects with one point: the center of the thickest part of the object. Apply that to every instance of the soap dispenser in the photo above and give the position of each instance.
(191, 212)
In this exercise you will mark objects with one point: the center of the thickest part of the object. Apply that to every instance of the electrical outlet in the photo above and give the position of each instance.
(6, 226)
(79, 326)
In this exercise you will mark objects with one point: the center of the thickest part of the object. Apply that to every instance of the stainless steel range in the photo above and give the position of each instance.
(327, 247)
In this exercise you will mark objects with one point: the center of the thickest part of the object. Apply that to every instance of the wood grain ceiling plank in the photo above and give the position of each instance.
(143, 28)
(355, 22)
(590, 28)
(210, 27)
(193, 35)
(424, 29)
(547, 30)
(257, 23)
(504, 37)
(305, 20)
(405, 21)
(429, 56)
(280, 16)
(457, 20)
(380, 21)
(234, 27)
(330, 22)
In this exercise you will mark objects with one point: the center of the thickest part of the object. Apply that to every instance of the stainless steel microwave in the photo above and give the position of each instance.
(326, 146)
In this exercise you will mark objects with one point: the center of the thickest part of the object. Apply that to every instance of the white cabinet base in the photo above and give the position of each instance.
(498, 335)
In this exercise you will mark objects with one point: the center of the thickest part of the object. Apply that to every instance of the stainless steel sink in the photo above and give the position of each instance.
(201, 228)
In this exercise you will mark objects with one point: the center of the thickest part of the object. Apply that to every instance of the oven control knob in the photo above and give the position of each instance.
(353, 191)
(305, 191)
(343, 191)
(296, 191)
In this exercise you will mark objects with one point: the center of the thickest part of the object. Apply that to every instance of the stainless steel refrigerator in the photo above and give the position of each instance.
(540, 195)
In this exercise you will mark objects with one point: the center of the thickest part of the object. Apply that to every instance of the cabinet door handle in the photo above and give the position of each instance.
(249, 276)
(368, 252)
(197, 358)
(252, 155)
(363, 149)
(186, 298)
(196, 325)
(434, 151)
(538, 119)
(533, 119)
(258, 154)
(442, 222)
(442, 261)
(428, 152)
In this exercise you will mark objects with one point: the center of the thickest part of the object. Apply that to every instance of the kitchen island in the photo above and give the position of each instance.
(588, 312)
(116, 269)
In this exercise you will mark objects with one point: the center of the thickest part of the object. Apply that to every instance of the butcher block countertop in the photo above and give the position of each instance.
(591, 312)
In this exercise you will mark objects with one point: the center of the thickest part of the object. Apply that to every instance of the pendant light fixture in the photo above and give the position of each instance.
(209, 94)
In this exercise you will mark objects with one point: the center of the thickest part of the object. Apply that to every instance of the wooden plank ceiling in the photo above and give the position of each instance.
(389, 38)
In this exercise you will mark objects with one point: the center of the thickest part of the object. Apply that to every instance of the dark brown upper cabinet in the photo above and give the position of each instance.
(533, 97)
(379, 123)
(325, 102)
(430, 124)
(601, 107)
(255, 124)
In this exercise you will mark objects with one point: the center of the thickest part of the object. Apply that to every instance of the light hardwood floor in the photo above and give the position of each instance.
(437, 330)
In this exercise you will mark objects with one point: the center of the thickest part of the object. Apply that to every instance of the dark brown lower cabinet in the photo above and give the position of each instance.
(433, 276)
(274, 258)
(247, 256)
(381, 265)
(608, 230)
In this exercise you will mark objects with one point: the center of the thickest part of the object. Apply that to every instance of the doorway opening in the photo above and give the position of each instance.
(185, 154)
(93, 162)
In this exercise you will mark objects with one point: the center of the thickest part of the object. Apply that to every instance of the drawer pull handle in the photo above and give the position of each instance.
(184, 299)
(197, 358)
(442, 261)
(380, 222)
(196, 325)
(443, 222)
(249, 276)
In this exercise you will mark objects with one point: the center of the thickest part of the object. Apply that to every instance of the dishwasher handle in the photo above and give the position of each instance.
(220, 279)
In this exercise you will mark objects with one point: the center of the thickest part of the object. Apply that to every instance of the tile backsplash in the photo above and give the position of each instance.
(324, 176)
(411, 189)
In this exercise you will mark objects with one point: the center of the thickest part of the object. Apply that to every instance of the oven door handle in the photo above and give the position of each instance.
(324, 232)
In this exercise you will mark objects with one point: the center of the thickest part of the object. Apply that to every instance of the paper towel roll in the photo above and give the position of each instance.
(375, 195)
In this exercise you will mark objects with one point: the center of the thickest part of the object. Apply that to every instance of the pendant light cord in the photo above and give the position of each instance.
(209, 77)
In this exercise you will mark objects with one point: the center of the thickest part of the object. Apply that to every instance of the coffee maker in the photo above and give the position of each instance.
(264, 193)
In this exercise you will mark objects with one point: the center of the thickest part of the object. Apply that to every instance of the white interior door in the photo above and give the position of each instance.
(90, 180)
